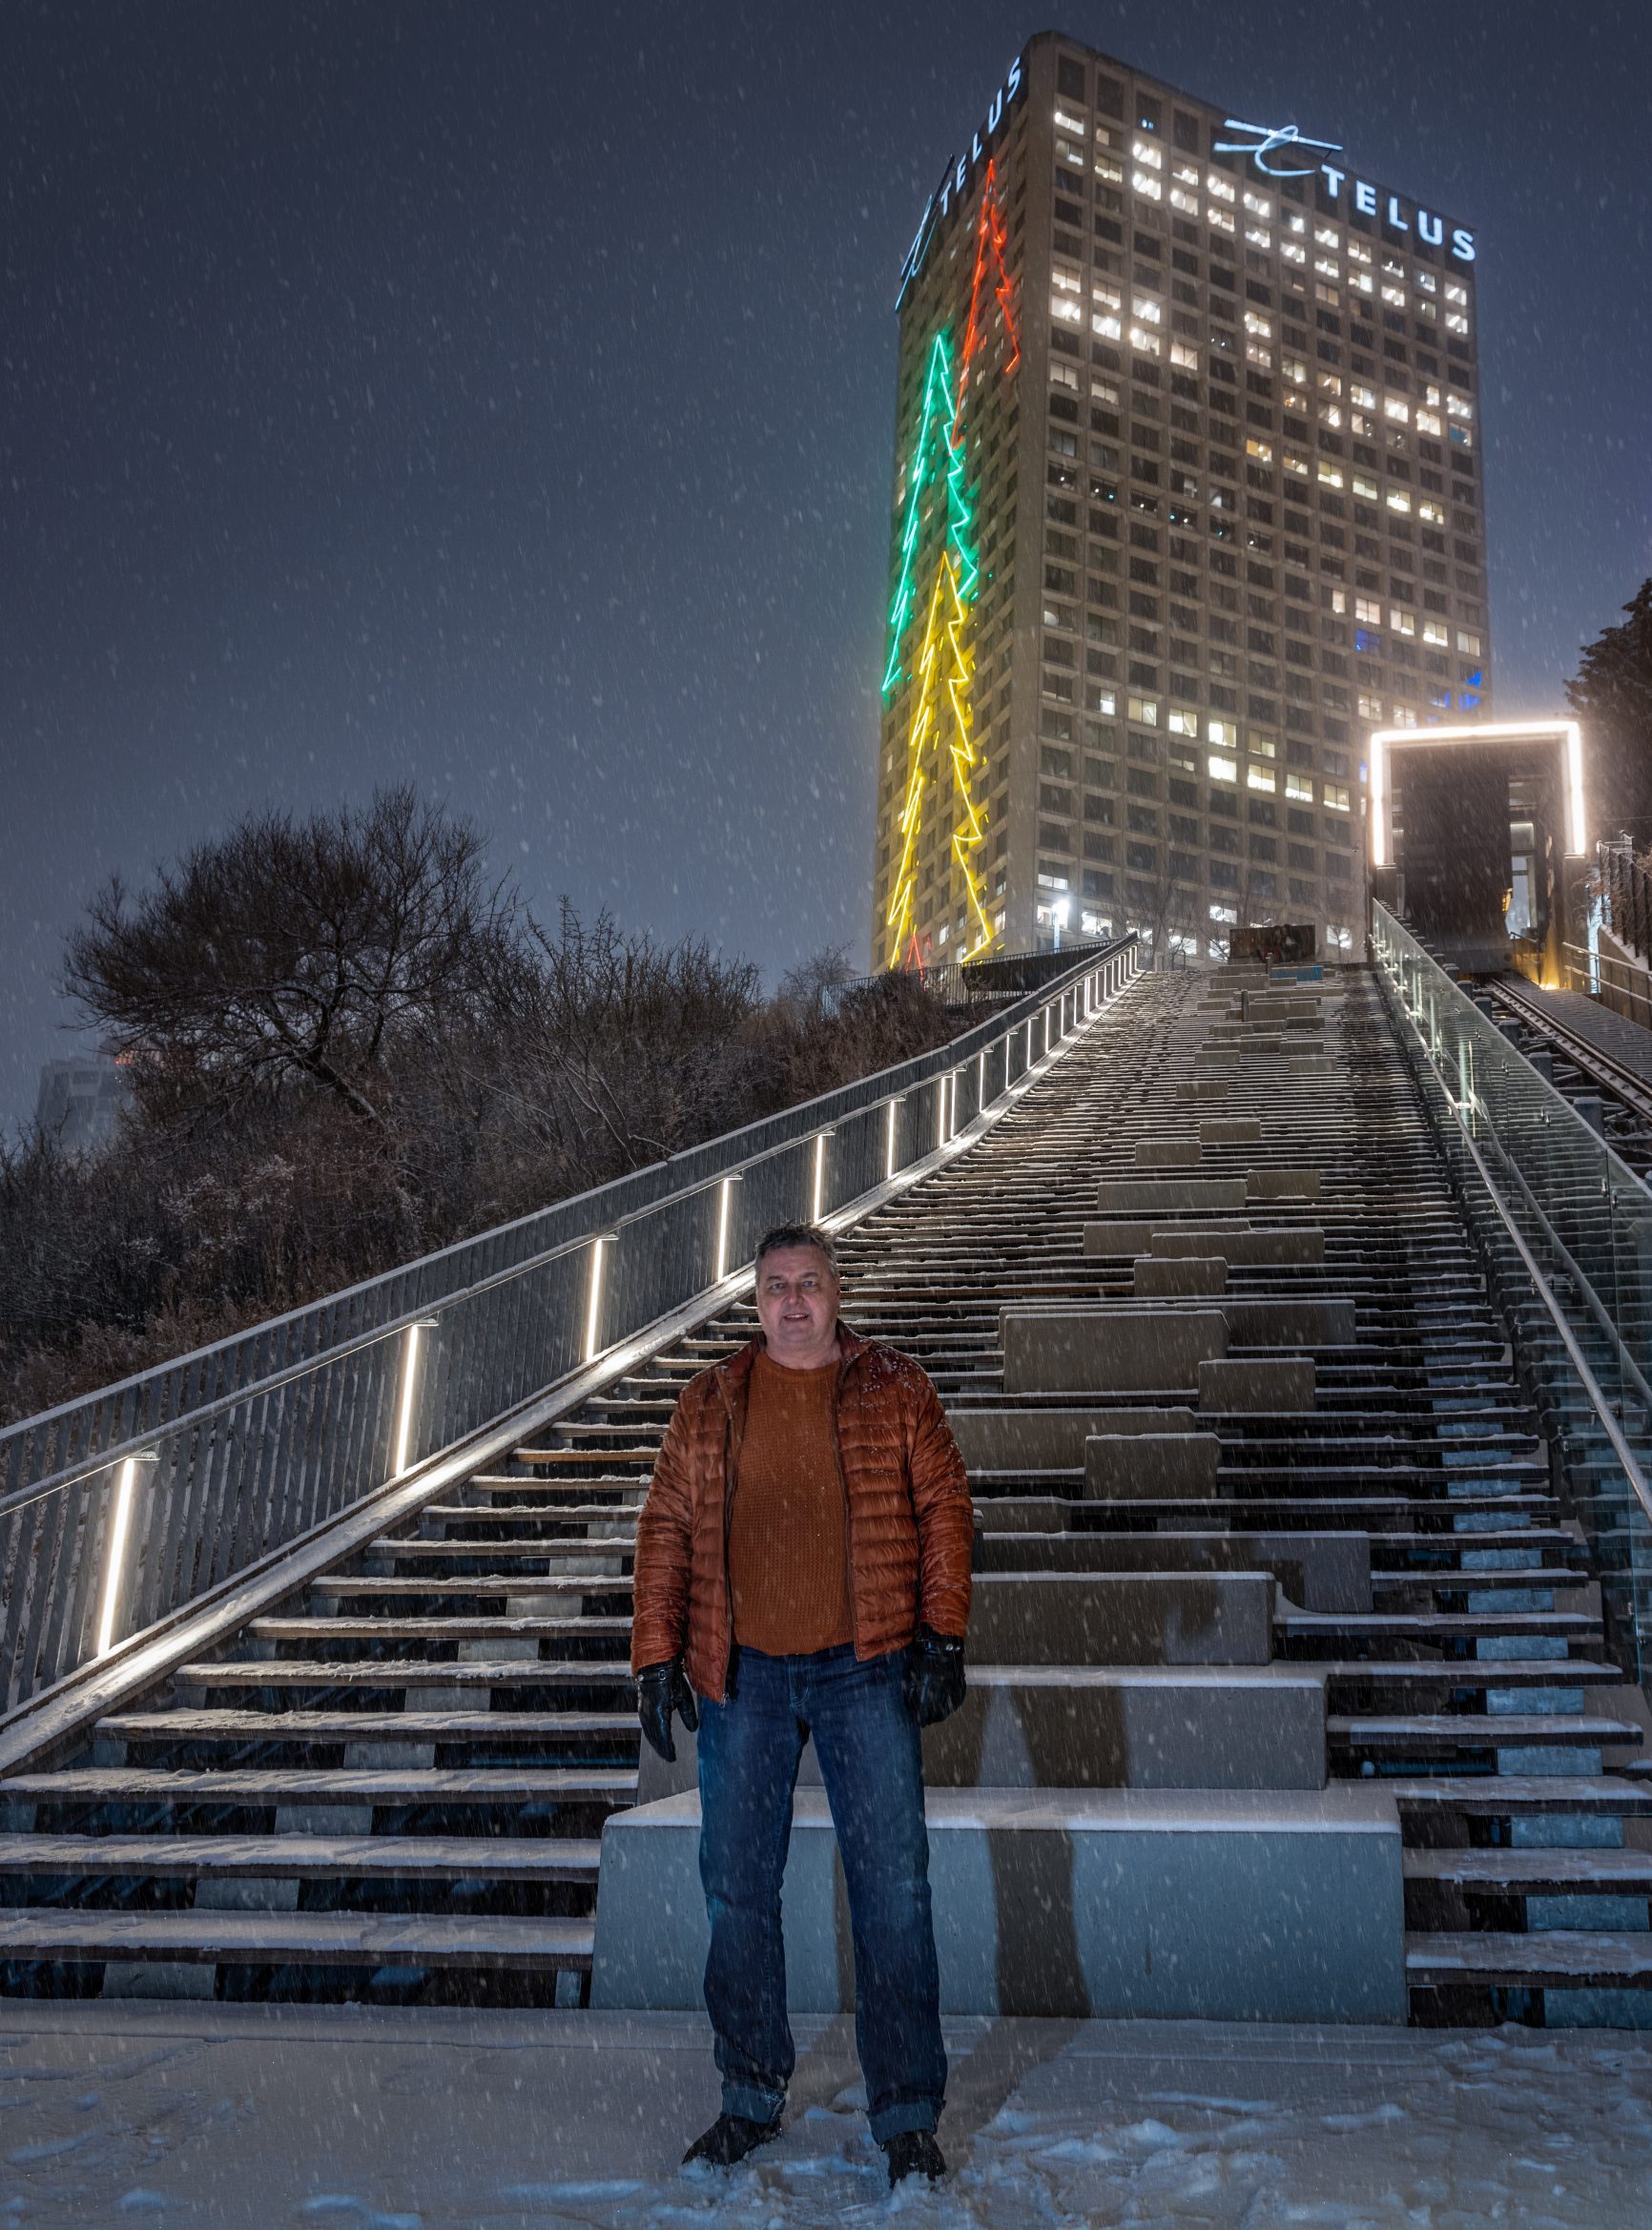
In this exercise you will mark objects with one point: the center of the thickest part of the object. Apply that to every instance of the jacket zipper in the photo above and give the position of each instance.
(847, 1519)
(730, 1480)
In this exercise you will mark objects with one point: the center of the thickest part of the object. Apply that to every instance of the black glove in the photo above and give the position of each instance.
(934, 1676)
(661, 1690)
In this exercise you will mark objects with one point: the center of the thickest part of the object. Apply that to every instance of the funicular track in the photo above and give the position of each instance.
(392, 1787)
(1579, 1066)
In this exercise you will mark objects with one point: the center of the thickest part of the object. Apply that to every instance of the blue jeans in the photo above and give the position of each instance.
(872, 1765)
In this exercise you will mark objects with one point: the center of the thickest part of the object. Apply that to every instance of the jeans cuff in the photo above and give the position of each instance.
(910, 2114)
(751, 2104)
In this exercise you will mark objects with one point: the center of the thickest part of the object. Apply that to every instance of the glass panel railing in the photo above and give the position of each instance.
(1565, 1228)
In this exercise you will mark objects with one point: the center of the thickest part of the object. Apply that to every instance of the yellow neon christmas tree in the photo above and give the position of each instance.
(942, 720)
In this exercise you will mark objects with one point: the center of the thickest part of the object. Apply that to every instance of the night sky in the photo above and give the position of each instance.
(501, 397)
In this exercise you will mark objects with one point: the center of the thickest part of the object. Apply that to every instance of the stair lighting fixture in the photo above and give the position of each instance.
(593, 1302)
(124, 1482)
(817, 1191)
(408, 1393)
(725, 1205)
(889, 1142)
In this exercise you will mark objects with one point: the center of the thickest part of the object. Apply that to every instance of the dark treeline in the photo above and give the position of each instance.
(348, 1046)
(1611, 695)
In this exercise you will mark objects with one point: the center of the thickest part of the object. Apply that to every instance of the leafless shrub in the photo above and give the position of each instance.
(350, 1049)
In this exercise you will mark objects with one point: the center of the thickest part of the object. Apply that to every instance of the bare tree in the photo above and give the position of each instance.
(622, 1050)
(291, 949)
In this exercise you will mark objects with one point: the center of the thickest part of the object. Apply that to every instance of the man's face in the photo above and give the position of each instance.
(797, 1294)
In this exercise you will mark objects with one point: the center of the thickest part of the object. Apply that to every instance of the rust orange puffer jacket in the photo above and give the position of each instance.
(910, 1528)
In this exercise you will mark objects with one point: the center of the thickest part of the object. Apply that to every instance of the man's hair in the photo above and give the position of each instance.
(798, 1235)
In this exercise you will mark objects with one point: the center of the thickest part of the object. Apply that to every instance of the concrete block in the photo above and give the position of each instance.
(1117, 1238)
(1061, 1726)
(1310, 1323)
(1021, 1514)
(175, 1978)
(1282, 1184)
(1251, 1382)
(1168, 1196)
(1175, 1278)
(1107, 1351)
(1248, 1246)
(1172, 1466)
(1168, 1153)
(1122, 1618)
(1284, 1906)
(1230, 1129)
(1318, 1571)
(1200, 1088)
(1050, 1439)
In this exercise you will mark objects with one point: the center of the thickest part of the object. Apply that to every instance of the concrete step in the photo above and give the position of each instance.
(393, 1627)
(1528, 1872)
(293, 1785)
(1096, 1902)
(995, 1438)
(1477, 1730)
(79, 1935)
(357, 1726)
(1061, 1726)
(1323, 1571)
(1512, 1796)
(405, 1672)
(1542, 1958)
(320, 1858)
(1122, 1618)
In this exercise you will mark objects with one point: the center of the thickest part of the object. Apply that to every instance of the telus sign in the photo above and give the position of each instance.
(1275, 149)
(956, 178)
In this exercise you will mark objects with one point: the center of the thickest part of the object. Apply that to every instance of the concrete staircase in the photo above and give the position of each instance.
(1274, 1592)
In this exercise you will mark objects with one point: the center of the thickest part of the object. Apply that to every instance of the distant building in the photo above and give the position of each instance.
(81, 1102)
(1188, 501)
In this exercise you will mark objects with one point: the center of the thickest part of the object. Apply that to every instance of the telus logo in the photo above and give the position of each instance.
(1271, 148)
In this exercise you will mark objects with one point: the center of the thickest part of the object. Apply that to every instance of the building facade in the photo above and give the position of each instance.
(1188, 501)
(80, 1102)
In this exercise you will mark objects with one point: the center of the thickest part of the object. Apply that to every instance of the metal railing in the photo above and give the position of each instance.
(119, 1509)
(998, 979)
(1626, 893)
(1580, 1226)
(1617, 984)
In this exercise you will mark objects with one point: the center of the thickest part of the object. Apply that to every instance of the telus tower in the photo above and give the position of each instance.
(1188, 500)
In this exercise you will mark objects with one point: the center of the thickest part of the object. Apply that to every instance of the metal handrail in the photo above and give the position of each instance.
(1608, 980)
(1541, 1151)
(149, 1495)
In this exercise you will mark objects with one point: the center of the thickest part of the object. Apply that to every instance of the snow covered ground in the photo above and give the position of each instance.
(221, 2115)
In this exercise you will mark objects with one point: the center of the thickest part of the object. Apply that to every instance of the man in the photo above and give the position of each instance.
(802, 1567)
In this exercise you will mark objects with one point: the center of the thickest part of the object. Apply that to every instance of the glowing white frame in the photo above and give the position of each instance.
(1384, 741)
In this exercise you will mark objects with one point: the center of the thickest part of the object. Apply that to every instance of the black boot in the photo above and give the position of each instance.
(913, 2152)
(730, 2139)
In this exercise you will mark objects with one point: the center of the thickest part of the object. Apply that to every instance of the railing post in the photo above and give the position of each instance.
(408, 1393)
(114, 1557)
